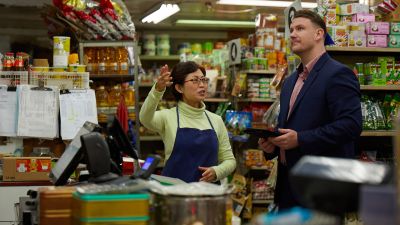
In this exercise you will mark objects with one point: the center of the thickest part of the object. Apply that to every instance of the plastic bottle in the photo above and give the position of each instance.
(89, 58)
(129, 94)
(114, 96)
(123, 60)
(112, 61)
(102, 99)
(102, 60)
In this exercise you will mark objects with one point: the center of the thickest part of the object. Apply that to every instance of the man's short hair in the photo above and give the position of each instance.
(313, 17)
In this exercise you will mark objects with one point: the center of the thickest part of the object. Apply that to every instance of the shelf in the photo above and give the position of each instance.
(115, 77)
(157, 57)
(272, 71)
(256, 100)
(267, 201)
(380, 88)
(378, 133)
(361, 49)
(150, 138)
(216, 100)
(107, 43)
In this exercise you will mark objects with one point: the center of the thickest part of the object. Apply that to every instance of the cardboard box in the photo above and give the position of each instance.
(363, 18)
(394, 41)
(340, 34)
(377, 28)
(353, 8)
(26, 168)
(357, 39)
(377, 41)
(394, 28)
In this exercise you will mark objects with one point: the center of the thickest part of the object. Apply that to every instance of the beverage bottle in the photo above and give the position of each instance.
(102, 60)
(112, 61)
(114, 96)
(102, 97)
(89, 58)
(129, 94)
(123, 60)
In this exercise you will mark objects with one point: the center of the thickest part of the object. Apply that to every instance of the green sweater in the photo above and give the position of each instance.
(165, 123)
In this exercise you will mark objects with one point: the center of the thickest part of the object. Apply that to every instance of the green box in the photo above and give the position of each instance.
(395, 28)
(394, 41)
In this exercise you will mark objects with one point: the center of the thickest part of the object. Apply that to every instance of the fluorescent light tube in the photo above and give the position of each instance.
(230, 23)
(269, 3)
(165, 11)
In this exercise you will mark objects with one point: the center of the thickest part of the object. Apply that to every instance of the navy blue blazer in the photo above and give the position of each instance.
(326, 116)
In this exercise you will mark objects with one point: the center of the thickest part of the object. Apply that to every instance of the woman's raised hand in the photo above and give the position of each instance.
(165, 79)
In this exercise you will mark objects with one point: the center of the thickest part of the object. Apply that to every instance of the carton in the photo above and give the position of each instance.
(377, 28)
(353, 8)
(363, 17)
(26, 168)
(377, 41)
(394, 28)
(394, 41)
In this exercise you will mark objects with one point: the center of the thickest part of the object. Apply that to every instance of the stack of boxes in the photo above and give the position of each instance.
(352, 25)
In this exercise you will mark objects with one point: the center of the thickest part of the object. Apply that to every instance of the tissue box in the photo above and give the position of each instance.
(363, 17)
(353, 8)
(394, 28)
(377, 28)
(357, 39)
(394, 41)
(377, 41)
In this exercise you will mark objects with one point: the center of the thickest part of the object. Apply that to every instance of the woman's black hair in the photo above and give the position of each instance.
(179, 73)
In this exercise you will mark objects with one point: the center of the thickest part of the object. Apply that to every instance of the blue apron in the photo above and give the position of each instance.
(192, 148)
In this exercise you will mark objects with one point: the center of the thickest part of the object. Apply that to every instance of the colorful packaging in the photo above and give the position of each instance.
(363, 17)
(330, 18)
(377, 28)
(394, 28)
(340, 34)
(357, 39)
(394, 41)
(346, 19)
(356, 27)
(377, 41)
(353, 8)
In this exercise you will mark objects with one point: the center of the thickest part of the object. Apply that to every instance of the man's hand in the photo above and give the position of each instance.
(287, 140)
(208, 174)
(266, 145)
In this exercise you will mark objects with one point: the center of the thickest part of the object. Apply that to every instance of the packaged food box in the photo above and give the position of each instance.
(353, 8)
(26, 168)
(377, 41)
(355, 27)
(394, 28)
(340, 34)
(377, 28)
(357, 39)
(330, 17)
(394, 41)
(329, 4)
(363, 17)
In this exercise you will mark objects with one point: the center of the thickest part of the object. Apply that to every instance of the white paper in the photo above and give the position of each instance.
(8, 112)
(37, 112)
(76, 108)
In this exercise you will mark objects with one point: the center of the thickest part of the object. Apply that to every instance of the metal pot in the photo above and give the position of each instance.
(191, 210)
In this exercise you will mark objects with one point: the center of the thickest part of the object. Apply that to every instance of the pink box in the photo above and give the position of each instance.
(363, 18)
(377, 41)
(377, 28)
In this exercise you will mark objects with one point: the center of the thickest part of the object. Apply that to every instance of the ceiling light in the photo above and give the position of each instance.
(230, 23)
(269, 3)
(165, 11)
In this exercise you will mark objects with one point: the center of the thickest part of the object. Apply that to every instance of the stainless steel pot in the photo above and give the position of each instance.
(191, 210)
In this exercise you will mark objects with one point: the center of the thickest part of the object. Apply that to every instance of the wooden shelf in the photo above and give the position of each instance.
(378, 133)
(361, 49)
(272, 71)
(114, 77)
(266, 201)
(157, 57)
(380, 88)
(150, 138)
(216, 100)
(256, 100)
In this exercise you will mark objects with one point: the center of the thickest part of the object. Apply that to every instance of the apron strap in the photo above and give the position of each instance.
(177, 115)
(209, 120)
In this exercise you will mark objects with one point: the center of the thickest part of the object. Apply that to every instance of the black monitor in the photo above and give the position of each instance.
(119, 143)
(71, 157)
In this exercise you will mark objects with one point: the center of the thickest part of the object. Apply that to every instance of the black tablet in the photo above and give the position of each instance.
(262, 133)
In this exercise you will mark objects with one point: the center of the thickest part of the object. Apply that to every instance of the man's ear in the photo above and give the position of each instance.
(178, 88)
(319, 34)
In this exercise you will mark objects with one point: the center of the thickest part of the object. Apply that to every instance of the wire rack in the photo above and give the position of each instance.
(13, 78)
(64, 80)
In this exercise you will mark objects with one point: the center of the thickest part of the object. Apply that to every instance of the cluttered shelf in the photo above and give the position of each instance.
(114, 77)
(380, 88)
(361, 49)
(158, 57)
(271, 71)
(378, 133)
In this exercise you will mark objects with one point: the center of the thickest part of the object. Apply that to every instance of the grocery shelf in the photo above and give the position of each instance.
(266, 201)
(105, 43)
(158, 57)
(256, 100)
(150, 138)
(361, 49)
(378, 133)
(271, 71)
(380, 88)
(216, 100)
(114, 77)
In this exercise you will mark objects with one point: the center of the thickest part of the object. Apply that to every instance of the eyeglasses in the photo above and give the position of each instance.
(204, 80)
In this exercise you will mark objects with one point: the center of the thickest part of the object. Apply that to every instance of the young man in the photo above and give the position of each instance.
(320, 111)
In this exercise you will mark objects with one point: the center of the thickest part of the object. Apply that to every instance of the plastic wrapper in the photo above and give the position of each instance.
(271, 115)
(373, 118)
(110, 28)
